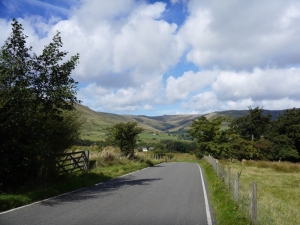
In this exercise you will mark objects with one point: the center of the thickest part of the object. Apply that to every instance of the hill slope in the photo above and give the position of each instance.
(96, 122)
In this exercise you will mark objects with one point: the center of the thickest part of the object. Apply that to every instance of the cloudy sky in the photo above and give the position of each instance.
(146, 57)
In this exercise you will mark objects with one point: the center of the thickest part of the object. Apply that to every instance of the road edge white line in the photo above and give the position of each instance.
(23, 206)
(70, 192)
(208, 215)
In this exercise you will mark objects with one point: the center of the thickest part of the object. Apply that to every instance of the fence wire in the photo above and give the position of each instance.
(265, 213)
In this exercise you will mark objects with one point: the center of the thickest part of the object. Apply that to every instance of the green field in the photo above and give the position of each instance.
(278, 188)
(149, 137)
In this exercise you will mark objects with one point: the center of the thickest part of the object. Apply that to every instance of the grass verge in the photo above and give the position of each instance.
(226, 211)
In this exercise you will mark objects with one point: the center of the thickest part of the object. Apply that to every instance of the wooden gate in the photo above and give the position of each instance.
(72, 162)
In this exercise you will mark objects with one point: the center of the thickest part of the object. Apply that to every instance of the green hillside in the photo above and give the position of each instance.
(96, 122)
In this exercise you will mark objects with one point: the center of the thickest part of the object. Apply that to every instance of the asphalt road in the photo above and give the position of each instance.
(167, 194)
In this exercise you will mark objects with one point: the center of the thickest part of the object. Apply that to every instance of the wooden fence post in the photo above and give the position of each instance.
(253, 205)
(228, 178)
(215, 165)
(223, 173)
(86, 159)
(236, 187)
(72, 160)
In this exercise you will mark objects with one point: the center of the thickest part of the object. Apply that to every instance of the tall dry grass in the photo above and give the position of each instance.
(278, 188)
(285, 167)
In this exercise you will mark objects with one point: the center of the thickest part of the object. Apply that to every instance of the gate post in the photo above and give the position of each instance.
(86, 159)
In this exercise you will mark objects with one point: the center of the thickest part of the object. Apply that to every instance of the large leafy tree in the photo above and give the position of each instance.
(252, 126)
(36, 92)
(285, 135)
(125, 135)
(214, 139)
(204, 130)
(208, 134)
(271, 140)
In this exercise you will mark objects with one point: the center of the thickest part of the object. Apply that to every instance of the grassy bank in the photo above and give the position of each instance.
(108, 166)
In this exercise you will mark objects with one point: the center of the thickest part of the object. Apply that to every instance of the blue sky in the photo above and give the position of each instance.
(151, 58)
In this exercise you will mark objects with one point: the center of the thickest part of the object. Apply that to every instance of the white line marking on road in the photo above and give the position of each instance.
(43, 200)
(67, 193)
(209, 221)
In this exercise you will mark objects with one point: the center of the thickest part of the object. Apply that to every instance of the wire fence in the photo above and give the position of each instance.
(247, 203)
(274, 212)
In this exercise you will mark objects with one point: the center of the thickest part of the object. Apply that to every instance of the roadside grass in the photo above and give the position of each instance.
(225, 210)
(106, 169)
(278, 188)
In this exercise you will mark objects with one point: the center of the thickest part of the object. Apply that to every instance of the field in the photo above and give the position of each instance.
(278, 188)
(94, 134)
(150, 137)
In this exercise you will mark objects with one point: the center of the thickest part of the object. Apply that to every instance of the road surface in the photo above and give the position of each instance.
(167, 194)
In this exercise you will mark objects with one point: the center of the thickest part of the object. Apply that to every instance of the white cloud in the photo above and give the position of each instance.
(175, 1)
(178, 1)
(283, 103)
(246, 52)
(203, 102)
(124, 48)
(290, 14)
(145, 44)
(181, 87)
(148, 107)
(242, 35)
(269, 84)
(145, 96)
(270, 89)
(239, 104)
(91, 13)
(5, 30)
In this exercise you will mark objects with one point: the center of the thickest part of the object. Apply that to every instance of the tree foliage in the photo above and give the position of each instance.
(254, 125)
(208, 134)
(285, 135)
(125, 135)
(253, 136)
(37, 96)
(175, 146)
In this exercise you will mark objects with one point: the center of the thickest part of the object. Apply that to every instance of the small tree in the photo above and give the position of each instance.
(125, 135)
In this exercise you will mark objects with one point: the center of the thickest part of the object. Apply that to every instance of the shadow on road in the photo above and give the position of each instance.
(103, 189)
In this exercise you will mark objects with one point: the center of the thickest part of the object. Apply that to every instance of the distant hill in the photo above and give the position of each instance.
(96, 122)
